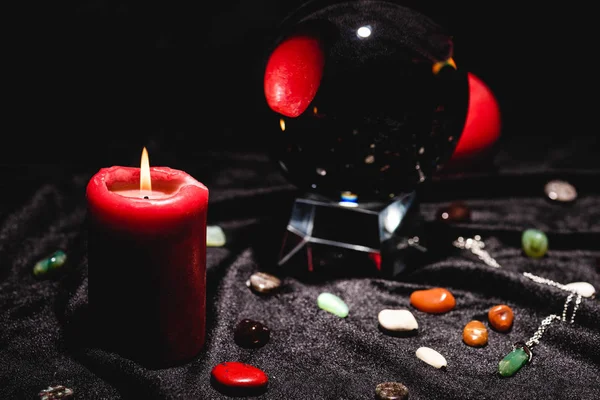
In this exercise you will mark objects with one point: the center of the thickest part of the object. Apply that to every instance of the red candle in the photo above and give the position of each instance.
(147, 262)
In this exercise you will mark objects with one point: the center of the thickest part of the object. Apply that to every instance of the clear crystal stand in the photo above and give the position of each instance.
(371, 238)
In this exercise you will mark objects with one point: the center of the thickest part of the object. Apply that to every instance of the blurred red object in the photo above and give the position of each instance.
(293, 75)
(376, 258)
(482, 127)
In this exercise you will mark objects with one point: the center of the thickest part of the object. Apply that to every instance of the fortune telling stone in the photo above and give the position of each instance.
(333, 304)
(239, 375)
(391, 391)
(397, 320)
(431, 357)
(264, 283)
(215, 237)
(560, 191)
(55, 393)
(434, 301)
(251, 334)
(582, 288)
(513, 362)
(475, 334)
(454, 213)
(50, 264)
(501, 317)
(535, 243)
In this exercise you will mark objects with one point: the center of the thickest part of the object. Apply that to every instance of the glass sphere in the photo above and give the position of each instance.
(364, 97)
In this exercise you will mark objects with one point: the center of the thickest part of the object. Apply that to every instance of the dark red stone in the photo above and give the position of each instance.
(239, 375)
(251, 334)
(293, 75)
(454, 213)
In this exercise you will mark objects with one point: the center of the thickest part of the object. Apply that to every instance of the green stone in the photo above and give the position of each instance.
(215, 237)
(54, 262)
(333, 304)
(535, 243)
(513, 362)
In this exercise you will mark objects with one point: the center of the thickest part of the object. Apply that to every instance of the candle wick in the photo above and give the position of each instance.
(146, 197)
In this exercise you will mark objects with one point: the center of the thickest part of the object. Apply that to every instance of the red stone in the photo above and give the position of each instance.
(293, 75)
(239, 375)
(483, 124)
(501, 317)
(434, 301)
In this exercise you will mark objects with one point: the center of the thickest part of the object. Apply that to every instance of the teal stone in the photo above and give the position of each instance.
(52, 263)
(513, 362)
(333, 304)
(535, 243)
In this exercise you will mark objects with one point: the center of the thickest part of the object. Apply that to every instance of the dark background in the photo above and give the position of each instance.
(98, 77)
(91, 82)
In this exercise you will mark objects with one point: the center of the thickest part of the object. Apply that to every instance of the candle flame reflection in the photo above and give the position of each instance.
(145, 181)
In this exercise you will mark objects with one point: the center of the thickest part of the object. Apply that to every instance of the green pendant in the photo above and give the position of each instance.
(513, 362)
(55, 261)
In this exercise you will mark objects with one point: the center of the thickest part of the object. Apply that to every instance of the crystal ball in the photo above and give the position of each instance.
(364, 97)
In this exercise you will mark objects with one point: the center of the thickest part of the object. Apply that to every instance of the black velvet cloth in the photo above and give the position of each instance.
(106, 114)
(313, 354)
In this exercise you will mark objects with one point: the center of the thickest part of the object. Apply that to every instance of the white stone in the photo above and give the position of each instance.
(583, 288)
(397, 320)
(431, 357)
(215, 237)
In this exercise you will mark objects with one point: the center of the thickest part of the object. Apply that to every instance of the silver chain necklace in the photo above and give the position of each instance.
(539, 279)
(521, 353)
(476, 246)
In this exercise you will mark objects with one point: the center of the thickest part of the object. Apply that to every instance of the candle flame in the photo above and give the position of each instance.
(145, 181)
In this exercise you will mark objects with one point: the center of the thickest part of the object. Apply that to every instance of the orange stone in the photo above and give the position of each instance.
(433, 301)
(475, 334)
(501, 317)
